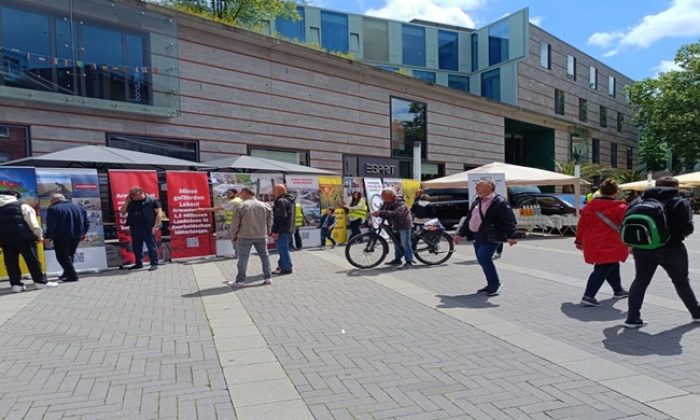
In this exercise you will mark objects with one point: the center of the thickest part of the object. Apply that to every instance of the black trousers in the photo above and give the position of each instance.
(355, 228)
(65, 253)
(674, 260)
(28, 251)
(297, 239)
(144, 235)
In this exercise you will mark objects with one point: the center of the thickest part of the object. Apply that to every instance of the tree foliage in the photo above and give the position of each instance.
(667, 110)
(243, 13)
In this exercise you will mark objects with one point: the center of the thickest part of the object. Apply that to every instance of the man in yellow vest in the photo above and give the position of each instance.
(298, 222)
(229, 207)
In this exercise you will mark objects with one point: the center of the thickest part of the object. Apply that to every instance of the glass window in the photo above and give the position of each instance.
(66, 77)
(499, 36)
(413, 45)
(14, 142)
(491, 84)
(376, 40)
(571, 67)
(291, 29)
(432, 170)
(459, 82)
(603, 116)
(545, 59)
(408, 127)
(611, 86)
(180, 149)
(334, 31)
(596, 151)
(620, 121)
(427, 76)
(448, 50)
(626, 89)
(289, 156)
(593, 78)
(137, 80)
(475, 51)
(582, 109)
(26, 43)
(630, 158)
(613, 155)
(104, 49)
(559, 102)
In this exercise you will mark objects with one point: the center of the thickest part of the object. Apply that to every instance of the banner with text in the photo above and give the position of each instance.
(373, 188)
(190, 231)
(120, 182)
(81, 187)
(22, 180)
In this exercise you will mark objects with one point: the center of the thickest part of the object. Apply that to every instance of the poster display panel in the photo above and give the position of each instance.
(373, 187)
(331, 189)
(306, 192)
(190, 231)
(80, 186)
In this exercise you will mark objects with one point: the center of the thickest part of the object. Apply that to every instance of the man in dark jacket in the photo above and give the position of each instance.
(144, 218)
(672, 257)
(66, 225)
(283, 227)
(490, 222)
(396, 212)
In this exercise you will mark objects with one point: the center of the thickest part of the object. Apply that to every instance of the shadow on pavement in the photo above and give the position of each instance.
(221, 290)
(477, 301)
(639, 343)
(590, 314)
(373, 272)
(468, 262)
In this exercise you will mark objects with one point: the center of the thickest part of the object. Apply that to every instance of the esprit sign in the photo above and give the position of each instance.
(379, 169)
(370, 166)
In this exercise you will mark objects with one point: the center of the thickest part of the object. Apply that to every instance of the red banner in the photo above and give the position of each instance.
(120, 182)
(190, 231)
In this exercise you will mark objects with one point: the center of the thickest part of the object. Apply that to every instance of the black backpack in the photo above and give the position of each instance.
(646, 224)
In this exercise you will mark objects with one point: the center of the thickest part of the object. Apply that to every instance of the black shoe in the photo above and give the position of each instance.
(393, 262)
(621, 295)
(483, 291)
(634, 324)
(135, 267)
(589, 301)
(153, 267)
(407, 266)
(280, 272)
(67, 280)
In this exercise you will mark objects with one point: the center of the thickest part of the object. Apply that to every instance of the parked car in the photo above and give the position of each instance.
(450, 204)
(550, 204)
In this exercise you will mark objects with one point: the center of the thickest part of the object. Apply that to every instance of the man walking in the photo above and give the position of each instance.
(283, 227)
(66, 225)
(396, 212)
(19, 233)
(144, 216)
(490, 221)
(672, 257)
(250, 227)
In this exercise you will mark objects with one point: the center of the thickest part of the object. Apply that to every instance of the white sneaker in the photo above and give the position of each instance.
(269, 281)
(19, 288)
(496, 256)
(236, 284)
(47, 285)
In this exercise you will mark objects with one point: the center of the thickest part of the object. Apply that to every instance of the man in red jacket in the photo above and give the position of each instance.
(598, 236)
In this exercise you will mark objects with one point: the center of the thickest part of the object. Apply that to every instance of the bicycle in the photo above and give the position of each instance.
(431, 245)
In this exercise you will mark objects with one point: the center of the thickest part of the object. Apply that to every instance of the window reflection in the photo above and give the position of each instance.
(413, 45)
(458, 82)
(290, 29)
(491, 84)
(408, 127)
(499, 39)
(448, 50)
(14, 142)
(180, 149)
(334, 31)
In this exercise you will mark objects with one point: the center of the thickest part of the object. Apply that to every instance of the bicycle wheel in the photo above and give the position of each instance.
(432, 249)
(366, 250)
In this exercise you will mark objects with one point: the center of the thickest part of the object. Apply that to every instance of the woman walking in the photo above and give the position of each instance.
(357, 213)
(597, 234)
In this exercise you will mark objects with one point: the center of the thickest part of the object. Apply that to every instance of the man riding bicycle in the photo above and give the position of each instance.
(395, 211)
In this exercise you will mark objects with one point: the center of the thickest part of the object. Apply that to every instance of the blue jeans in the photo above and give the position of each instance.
(484, 255)
(405, 238)
(139, 236)
(282, 244)
(602, 272)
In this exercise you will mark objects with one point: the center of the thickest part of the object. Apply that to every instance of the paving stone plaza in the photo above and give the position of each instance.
(331, 342)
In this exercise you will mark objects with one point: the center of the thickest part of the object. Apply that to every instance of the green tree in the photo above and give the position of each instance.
(243, 13)
(667, 110)
(654, 154)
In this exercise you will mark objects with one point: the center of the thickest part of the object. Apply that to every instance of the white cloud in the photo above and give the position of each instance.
(536, 20)
(611, 53)
(452, 12)
(666, 65)
(680, 20)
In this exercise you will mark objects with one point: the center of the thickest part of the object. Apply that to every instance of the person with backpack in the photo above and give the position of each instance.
(655, 226)
(597, 235)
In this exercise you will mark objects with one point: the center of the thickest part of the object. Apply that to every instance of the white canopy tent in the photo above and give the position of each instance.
(689, 180)
(515, 175)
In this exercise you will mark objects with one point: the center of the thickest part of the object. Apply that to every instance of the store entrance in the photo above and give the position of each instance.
(529, 145)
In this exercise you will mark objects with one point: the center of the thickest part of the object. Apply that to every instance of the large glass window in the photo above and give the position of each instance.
(475, 51)
(603, 116)
(14, 142)
(620, 121)
(499, 38)
(376, 40)
(596, 151)
(491, 84)
(42, 52)
(180, 149)
(290, 156)
(290, 29)
(448, 50)
(408, 127)
(593, 77)
(427, 76)
(613, 155)
(459, 82)
(630, 158)
(334, 31)
(611, 86)
(582, 110)
(545, 60)
(571, 67)
(559, 102)
(413, 45)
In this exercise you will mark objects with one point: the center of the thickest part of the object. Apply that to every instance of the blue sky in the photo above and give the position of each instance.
(636, 37)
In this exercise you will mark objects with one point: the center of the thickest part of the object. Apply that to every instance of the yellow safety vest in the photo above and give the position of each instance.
(359, 212)
(228, 214)
(298, 215)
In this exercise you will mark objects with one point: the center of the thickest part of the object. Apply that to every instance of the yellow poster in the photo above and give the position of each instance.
(331, 189)
(410, 186)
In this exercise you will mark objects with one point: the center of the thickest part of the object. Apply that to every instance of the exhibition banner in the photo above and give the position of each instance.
(190, 231)
(22, 180)
(373, 187)
(351, 185)
(305, 189)
(80, 186)
(331, 189)
(120, 182)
